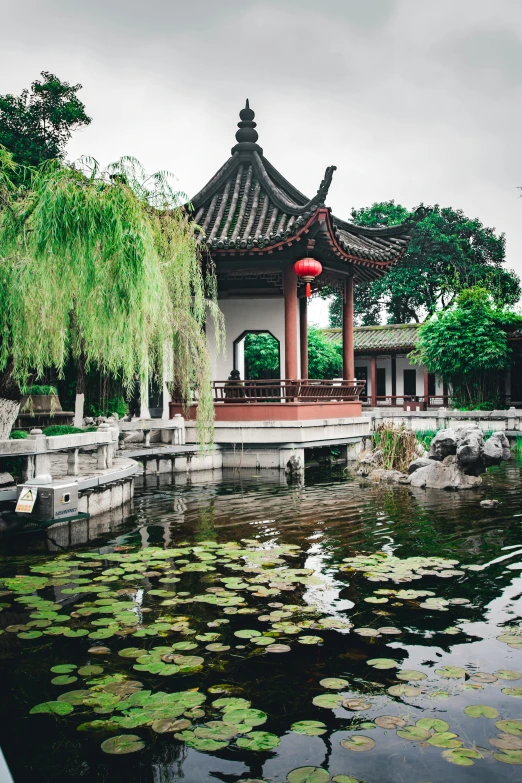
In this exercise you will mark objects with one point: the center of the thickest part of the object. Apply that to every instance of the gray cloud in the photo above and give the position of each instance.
(412, 101)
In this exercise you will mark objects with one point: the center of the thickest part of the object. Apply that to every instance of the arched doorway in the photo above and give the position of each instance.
(257, 355)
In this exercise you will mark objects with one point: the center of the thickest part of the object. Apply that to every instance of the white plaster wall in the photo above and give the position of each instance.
(243, 315)
(403, 363)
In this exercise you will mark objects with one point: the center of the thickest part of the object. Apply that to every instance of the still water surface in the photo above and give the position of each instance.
(329, 518)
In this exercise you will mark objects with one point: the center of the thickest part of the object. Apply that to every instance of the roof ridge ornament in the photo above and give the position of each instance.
(246, 135)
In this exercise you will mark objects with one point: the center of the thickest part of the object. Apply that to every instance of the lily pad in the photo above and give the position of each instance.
(122, 744)
(52, 708)
(413, 733)
(333, 683)
(356, 705)
(451, 672)
(246, 634)
(98, 650)
(258, 740)
(404, 690)
(329, 701)
(89, 671)
(410, 675)
(506, 742)
(63, 668)
(312, 728)
(507, 674)
(167, 726)
(432, 723)
(308, 775)
(389, 722)
(344, 779)
(249, 716)
(445, 739)
(383, 663)
(517, 691)
(462, 757)
(483, 678)
(358, 743)
(512, 726)
(509, 757)
(309, 640)
(231, 703)
(278, 648)
(131, 652)
(64, 679)
(481, 711)
(206, 745)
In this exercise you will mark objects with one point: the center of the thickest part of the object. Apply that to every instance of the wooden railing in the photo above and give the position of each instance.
(389, 400)
(277, 390)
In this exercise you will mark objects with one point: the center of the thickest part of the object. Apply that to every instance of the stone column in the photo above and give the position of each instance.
(348, 350)
(290, 295)
(373, 377)
(303, 330)
(394, 378)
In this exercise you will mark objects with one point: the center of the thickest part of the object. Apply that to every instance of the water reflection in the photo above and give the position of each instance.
(330, 516)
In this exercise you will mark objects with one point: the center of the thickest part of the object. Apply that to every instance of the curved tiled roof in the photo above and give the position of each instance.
(248, 205)
(392, 337)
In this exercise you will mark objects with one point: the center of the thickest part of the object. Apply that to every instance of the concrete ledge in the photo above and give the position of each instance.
(286, 433)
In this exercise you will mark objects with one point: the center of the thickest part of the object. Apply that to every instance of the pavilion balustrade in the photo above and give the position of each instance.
(278, 390)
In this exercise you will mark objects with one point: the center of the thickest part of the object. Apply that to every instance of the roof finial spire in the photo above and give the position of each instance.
(246, 125)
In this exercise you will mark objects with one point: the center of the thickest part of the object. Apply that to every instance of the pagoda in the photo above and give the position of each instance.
(255, 226)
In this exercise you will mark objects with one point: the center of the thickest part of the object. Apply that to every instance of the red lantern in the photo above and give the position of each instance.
(308, 269)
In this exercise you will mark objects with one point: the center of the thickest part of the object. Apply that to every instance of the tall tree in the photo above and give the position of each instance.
(101, 265)
(467, 345)
(36, 125)
(448, 253)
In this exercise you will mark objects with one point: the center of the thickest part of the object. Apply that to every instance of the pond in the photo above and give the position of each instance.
(248, 629)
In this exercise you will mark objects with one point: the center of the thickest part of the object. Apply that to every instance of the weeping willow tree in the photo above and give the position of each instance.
(102, 265)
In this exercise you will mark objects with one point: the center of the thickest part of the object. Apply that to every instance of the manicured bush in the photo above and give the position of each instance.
(18, 435)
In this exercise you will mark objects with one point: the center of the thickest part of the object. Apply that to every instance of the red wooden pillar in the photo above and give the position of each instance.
(348, 352)
(394, 378)
(290, 295)
(303, 333)
(373, 379)
(426, 388)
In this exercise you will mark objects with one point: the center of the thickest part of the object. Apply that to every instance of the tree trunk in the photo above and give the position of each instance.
(79, 401)
(10, 396)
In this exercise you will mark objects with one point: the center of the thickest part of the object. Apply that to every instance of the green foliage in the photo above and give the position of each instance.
(261, 356)
(18, 435)
(108, 407)
(425, 437)
(467, 345)
(448, 253)
(36, 390)
(102, 265)
(36, 125)
(325, 359)
(65, 429)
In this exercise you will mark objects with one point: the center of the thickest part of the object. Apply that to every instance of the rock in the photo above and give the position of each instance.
(443, 444)
(496, 449)
(294, 466)
(470, 448)
(489, 503)
(5, 479)
(445, 474)
(421, 462)
(88, 421)
(381, 476)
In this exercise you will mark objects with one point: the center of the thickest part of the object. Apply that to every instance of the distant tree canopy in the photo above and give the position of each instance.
(36, 125)
(467, 345)
(448, 253)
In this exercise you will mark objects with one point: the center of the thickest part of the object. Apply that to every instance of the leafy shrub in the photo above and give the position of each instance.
(110, 406)
(65, 429)
(36, 390)
(18, 435)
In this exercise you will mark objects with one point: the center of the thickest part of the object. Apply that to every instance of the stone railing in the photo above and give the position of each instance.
(37, 448)
(420, 421)
(170, 431)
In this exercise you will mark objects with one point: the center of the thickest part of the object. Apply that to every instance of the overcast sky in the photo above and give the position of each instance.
(412, 101)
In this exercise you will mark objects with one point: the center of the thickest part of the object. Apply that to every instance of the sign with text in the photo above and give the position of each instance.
(26, 500)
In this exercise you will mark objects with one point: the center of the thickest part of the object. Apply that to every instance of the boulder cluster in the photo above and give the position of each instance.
(456, 459)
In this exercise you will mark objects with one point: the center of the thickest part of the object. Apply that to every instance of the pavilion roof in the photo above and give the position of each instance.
(392, 337)
(249, 207)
